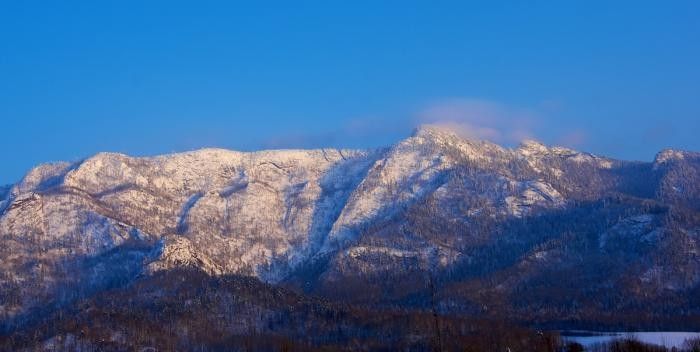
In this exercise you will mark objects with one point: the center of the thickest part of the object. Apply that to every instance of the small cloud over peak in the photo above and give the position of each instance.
(469, 118)
(480, 119)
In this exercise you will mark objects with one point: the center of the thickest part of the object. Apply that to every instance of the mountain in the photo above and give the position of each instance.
(536, 235)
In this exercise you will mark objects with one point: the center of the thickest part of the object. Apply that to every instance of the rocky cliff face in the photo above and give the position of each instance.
(481, 220)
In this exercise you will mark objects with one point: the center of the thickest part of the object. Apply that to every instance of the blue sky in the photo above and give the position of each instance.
(616, 78)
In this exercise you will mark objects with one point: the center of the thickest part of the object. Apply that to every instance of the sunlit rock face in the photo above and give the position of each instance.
(432, 203)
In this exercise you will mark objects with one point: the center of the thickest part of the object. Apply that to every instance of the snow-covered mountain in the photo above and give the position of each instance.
(479, 217)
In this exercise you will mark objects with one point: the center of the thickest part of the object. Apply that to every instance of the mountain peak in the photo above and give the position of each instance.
(531, 146)
(668, 154)
(433, 131)
(532, 142)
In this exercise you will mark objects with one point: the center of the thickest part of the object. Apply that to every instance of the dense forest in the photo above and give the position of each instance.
(188, 310)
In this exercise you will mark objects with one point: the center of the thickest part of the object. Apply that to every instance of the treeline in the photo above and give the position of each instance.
(190, 311)
(186, 310)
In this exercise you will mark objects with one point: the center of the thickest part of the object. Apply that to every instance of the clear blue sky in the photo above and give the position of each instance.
(149, 77)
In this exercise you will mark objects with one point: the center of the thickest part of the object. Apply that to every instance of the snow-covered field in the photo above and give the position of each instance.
(667, 339)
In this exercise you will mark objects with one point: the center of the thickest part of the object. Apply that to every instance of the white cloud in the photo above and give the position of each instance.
(470, 118)
(481, 119)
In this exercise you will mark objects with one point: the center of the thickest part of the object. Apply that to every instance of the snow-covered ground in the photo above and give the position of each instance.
(668, 339)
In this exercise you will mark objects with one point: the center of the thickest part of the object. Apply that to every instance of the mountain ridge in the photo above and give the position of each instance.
(481, 220)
